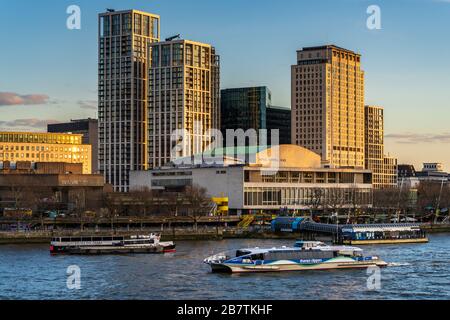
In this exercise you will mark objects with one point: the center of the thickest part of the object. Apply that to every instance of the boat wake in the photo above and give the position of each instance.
(398, 264)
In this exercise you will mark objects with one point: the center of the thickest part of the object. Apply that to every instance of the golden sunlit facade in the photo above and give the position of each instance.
(45, 147)
(328, 105)
(384, 169)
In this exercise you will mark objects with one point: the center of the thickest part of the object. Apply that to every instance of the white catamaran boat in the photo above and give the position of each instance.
(110, 245)
(305, 255)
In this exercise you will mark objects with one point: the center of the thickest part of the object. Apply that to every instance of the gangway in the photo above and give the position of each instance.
(246, 221)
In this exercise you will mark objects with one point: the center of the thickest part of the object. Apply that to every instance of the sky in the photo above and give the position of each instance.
(48, 73)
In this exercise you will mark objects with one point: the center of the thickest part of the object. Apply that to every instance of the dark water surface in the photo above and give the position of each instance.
(416, 271)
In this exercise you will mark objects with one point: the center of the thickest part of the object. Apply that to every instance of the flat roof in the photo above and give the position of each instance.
(328, 46)
(181, 41)
(128, 11)
(246, 88)
(280, 108)
(252, 168)
(42, 133)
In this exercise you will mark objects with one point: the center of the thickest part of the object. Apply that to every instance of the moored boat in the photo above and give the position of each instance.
(305, 255)
(392, 233)
(110, 245)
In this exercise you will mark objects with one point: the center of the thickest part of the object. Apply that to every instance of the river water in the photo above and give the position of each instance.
(416, 271)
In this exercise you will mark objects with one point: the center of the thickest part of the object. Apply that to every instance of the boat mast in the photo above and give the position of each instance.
(399, 198)
(439, 201)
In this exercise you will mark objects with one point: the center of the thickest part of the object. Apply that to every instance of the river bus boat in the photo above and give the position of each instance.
(391, 233)
(305, 255)
(110, 245)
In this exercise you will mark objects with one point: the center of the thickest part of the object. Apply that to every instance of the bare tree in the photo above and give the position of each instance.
(315, 200)
(335, 200)
(143, 199)
(198, 200)
(433, 196)
(175, 200)
(113, 203)
(386, 200)
(354, 197)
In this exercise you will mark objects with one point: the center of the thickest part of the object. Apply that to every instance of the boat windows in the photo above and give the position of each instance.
(299, 255)
(258, 256)
(240, 253)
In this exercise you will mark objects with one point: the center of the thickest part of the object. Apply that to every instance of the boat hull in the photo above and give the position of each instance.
(293, 266)
(54, 250)
(385, 241)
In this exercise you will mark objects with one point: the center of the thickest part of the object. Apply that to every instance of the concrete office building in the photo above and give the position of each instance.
(384, 168)
(328, 104)
(86, 127)
(300, 182)
(184, 84)
(45, 147)
(124, 38)
(63, 185)
(432, 172)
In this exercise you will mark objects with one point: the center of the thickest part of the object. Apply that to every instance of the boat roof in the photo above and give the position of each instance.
(258, 250)
(380, 227)
(335, 228)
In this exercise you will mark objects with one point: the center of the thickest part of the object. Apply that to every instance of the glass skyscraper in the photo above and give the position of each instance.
(251, 108)
(244, 108)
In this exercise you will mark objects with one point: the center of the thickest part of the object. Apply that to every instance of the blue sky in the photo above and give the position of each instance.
(407, 62)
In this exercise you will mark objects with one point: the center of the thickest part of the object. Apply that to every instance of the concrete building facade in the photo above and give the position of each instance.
(50, 186)
(300, 182)
(45, 147)
(124, 38)
(184, 99)
(327, 101)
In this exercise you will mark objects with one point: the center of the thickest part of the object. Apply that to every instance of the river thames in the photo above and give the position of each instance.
(415, 271)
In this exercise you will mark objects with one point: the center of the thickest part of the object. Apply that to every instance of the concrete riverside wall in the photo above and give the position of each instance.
(167, 234)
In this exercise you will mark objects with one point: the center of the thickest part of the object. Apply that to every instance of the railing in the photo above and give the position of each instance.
(123, 220)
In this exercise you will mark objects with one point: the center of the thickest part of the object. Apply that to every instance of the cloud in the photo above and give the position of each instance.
(15, 99)
(410, 138)
(88, 104)
(32, 123)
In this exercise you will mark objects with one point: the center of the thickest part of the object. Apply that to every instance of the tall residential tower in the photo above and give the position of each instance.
(183, 95)
(328, 104)
(124, 38)
(384, 169)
